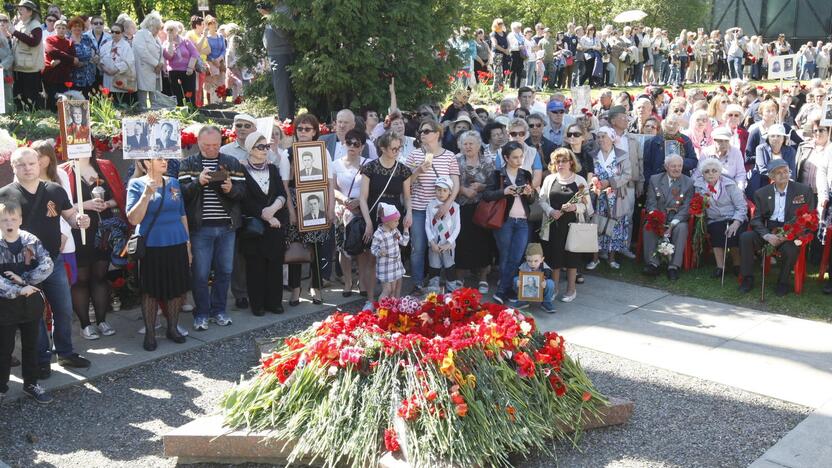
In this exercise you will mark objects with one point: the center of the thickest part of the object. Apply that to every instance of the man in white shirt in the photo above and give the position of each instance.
(244, 125)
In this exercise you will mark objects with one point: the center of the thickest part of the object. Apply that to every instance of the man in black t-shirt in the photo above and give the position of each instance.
(43, 204)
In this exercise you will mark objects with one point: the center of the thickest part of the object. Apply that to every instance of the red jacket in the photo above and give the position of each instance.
(58, 48)
(110, 174)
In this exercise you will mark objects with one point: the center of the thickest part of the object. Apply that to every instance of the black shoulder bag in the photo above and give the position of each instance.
(136, 243)
(354, 231)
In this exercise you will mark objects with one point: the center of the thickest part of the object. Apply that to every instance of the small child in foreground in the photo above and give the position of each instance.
(385, 247)
(442, 234)
(534, 262)
(24, 263)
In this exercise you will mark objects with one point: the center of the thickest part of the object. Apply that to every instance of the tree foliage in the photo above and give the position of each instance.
(346, 51)
(672, 15)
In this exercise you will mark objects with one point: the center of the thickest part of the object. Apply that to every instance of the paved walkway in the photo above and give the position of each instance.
(769, 354)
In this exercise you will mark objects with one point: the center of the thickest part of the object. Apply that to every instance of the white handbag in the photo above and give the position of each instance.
(582, 237)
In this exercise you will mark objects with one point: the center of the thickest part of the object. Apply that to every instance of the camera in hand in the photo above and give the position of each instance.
(217, 178)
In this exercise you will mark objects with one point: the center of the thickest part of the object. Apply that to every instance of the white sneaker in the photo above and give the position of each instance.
(592, 265)
(106, 329)
(483, 287)
(452, 286)
(90, 332)
(570, 297)
(181, 330)
(433, 285)
(615, 265)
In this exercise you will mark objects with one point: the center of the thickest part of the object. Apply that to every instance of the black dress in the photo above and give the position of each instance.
(88, 253)
(555, 250)
(378, 176)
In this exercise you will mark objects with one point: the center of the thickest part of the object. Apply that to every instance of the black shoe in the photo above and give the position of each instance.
(44, 371)
(258, 312)
(75, 360)
(277, 310)
(149, 343)
(15, 362)
(346, 293)
(317, 301)
(362, 293)
(782, 289)
(175, 337)
(579, 278)
(827, 287)
(717, 273)
(650, 270)
(673, 274)
(747, 284)
(294, 303)
(37, 393)
(241, 303)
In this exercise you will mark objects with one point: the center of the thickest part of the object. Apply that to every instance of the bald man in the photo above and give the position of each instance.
(344, 122)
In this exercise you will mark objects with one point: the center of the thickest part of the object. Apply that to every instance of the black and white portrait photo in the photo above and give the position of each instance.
(165, 137)
(532, 286)
(309, 163)
(136, 136)
(312, 206)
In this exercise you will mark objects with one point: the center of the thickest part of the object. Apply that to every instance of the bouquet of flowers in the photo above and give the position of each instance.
(697, 210)
(801, 230)
(576, 198)
(445, 380)
(665, 250)
(656, 221)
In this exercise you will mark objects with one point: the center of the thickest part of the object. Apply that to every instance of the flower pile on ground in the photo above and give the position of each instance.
(449, 378)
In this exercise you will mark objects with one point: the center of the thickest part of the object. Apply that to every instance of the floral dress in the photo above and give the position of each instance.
(620, 238)
(84, 75)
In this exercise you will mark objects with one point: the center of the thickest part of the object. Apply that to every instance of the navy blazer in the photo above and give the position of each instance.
(547, 147)
(654, 157)
(755, 138)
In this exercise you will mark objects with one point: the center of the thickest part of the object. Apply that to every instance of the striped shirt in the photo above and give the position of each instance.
(213, 213)
(424, 187)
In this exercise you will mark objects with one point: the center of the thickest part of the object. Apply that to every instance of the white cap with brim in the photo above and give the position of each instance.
(721, 133)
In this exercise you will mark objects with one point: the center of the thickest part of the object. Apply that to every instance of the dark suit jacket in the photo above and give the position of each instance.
(138, 143)
(797, 195)
(759, 174)
(309, 216)
(314, 171)
(654, 157)
(661, 197)
(331, 140)
(547, 147)
(166, 144)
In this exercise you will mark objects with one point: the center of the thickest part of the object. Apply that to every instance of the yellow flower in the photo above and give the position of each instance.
(471, 380)
(448, 367)
(431, 297)
(382, 312)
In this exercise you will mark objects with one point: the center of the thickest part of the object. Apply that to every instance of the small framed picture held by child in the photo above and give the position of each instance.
(532, 284)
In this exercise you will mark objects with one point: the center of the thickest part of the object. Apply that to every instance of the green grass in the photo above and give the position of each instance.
(811, 304)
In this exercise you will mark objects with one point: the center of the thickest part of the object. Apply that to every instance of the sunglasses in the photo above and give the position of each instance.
(98, 23)
(425, 131)
(563, 161)
(679, 111)
(115, 32)
(354, 143)
(517, 134)
(242, 125)
(557, 112)
(305, 129)
(261, 147)
(537, 125)
(574, 134)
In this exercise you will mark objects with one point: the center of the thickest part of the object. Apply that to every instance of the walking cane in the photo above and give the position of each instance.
(763, 282)
(724, 256)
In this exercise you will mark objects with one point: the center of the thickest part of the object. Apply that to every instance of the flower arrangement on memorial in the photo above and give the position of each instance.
(449, 379)
(697, 210)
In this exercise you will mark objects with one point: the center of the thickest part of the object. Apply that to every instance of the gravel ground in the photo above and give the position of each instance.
(117, 420)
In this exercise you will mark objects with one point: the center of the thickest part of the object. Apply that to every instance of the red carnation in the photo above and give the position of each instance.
(391, 442)
(68, 84)
(189, 94)
(238, 100)
(105, 91)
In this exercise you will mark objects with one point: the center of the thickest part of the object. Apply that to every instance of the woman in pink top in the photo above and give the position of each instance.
(699, 131)
(180, 58)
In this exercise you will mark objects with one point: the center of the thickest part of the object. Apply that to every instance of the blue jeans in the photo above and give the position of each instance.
(735, 65)
(808, 71)
(418, 247)
(548, 292)
(212, 248)
(511, 244)
(56, 288)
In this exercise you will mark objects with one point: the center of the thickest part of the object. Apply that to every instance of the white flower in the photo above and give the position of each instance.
(798, 242)
(487, 318)
(525, 327)
(332, 371)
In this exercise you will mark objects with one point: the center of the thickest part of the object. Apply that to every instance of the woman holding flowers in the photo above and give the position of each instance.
(615, 199)
(724, 208)
(563, 196)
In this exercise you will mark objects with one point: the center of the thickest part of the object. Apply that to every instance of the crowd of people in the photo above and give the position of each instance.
(631, 55)
(44, 55)
(404, 193)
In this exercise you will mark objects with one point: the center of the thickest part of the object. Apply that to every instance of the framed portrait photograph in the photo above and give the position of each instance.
(74, 116)
(532, 286)
(782, 67)
(135, 137)
(312, 204)
(309, 162)
(672, 147)
(164, 140)
(826, 118)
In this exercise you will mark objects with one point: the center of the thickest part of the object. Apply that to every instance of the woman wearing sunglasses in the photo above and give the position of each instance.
(265, 218)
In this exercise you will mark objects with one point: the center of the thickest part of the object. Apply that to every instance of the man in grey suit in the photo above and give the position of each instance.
(669, 192)
(335, 144)
(776, 204)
